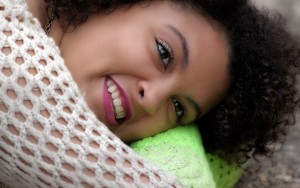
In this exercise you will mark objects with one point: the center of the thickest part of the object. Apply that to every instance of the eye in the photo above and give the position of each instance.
(165, 52)
(179, 110)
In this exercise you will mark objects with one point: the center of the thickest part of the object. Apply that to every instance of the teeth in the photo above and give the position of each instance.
(119, 109)
(121, 115)
(109, 83)
(116, 100)
(112, 88)
(115, 95)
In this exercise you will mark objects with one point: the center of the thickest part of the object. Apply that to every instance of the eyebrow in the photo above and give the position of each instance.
(184, 45)
(195, 106)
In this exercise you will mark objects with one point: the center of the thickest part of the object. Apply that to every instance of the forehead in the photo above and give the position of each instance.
(208, 71)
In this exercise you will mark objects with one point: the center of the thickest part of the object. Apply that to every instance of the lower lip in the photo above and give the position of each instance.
(108, 108)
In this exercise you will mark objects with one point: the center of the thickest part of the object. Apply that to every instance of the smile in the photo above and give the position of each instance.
(116, 100)
(116, 103)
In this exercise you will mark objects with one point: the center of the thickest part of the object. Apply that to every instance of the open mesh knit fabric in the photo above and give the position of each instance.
(48, 135)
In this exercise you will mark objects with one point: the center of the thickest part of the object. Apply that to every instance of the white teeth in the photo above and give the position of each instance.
(119, 109)
(112, 88)
(109, 83)
(120, 112)
(115, 95)
(121, 115)
(116, 100)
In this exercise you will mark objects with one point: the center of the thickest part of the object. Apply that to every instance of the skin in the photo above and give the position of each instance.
(124, 46)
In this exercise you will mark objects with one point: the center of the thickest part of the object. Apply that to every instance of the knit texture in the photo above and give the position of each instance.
(180, 152)
(48, 135)
(224, 174)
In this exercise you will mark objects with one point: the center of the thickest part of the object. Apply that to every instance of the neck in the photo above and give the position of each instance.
(38, 10)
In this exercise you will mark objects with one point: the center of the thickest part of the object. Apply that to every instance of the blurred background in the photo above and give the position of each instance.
(283, 169)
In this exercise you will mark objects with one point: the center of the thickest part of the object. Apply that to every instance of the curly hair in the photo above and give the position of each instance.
(260, 103)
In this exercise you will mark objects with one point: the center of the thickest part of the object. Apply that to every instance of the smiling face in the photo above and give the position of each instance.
(145, 70)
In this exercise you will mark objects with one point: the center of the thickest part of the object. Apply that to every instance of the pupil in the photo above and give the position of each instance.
(163, 53)
(178, 107)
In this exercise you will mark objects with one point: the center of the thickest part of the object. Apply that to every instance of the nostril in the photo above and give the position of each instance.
(142, 93)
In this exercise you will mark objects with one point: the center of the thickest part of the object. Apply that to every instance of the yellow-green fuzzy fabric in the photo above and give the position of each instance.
(180, 152)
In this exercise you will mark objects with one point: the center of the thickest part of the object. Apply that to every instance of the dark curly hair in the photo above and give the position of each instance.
(260, 104)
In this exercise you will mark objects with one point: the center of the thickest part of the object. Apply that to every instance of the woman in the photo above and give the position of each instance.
(145, 52)
(239, 112)
(144, 67)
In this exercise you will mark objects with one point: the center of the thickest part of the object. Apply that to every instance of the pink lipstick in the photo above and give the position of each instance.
(116, 103)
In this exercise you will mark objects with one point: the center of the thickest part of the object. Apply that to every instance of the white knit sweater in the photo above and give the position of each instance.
(48, 135)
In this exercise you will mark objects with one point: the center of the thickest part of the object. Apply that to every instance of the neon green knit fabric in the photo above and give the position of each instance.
(180, 152)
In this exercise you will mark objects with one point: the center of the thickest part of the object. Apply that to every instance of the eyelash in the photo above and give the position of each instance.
(179, 115)
(162, 48)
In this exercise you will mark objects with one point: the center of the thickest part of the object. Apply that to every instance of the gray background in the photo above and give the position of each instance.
(283, 169)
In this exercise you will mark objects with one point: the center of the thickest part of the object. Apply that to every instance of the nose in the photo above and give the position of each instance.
(152, 95)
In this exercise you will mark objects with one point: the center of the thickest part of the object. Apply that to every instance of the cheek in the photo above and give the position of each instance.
(86, 58)
(145, 127)
(76, 54)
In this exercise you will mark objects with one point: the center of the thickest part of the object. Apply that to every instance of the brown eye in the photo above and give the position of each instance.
(179, 110)
(165, 53)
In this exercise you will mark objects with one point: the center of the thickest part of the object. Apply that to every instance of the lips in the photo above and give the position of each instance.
(116, 103)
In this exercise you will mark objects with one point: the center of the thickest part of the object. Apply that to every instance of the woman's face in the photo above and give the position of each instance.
(144, 70)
